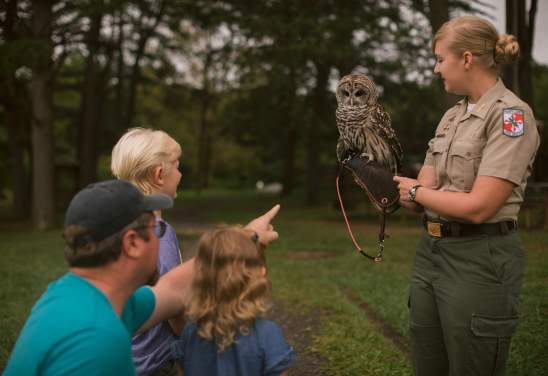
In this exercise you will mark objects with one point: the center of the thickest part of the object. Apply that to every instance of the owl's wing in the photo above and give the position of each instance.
(343, 144)
(384, 123)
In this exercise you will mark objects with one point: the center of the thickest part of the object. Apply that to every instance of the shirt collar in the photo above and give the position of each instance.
(486, 101)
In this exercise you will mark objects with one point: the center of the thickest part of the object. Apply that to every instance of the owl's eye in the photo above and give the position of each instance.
(359, 93)
(346, 93)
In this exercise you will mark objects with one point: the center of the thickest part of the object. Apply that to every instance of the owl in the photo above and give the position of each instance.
(364, 127)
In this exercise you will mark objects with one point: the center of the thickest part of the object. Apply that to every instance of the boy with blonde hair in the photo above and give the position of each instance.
(150, 160)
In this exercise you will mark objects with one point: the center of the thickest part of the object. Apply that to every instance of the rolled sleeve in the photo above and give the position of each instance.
(138, 309)
(429, 159)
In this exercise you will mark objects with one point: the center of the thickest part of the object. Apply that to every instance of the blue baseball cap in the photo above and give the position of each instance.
(107, 207)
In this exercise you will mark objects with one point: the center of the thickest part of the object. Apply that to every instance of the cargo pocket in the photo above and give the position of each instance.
(489, 344)
(465, 159)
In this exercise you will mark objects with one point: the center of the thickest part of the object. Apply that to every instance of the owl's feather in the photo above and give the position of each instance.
(364, 127)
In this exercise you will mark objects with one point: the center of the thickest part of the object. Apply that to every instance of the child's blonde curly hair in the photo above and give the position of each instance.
(230, 288)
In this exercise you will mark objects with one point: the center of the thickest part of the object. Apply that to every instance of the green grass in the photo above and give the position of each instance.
(30, 260)
(346, 339)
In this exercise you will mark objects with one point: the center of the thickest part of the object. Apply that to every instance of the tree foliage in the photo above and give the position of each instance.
(245, 87)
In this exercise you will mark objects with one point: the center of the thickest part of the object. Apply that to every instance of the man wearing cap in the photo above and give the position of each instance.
(83, 323)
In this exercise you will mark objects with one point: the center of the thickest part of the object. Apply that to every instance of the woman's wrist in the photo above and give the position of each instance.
(412, 195)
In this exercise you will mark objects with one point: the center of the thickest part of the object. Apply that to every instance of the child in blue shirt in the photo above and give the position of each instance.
(227, 334)
(150, 160)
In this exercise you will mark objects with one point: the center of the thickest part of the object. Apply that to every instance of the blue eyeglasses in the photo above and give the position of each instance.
(159, 228)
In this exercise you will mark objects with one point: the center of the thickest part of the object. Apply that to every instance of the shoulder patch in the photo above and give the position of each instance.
(513, 124)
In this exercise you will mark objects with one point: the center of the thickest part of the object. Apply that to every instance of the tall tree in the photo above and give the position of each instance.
(207, 99)
(521, 24)
(150, 14)
(437, 13)
(14, 99)
(43, 191)
(91, 99)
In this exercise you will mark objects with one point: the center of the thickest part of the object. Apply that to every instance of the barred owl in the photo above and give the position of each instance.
(364, 127)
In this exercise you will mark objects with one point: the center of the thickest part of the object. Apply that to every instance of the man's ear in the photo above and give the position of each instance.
(131, 246)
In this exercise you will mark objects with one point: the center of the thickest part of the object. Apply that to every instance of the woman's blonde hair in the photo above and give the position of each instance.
(137, 154)
(480, 37)
(230, 288)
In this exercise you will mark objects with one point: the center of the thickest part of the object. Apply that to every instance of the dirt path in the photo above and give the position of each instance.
(383, 327)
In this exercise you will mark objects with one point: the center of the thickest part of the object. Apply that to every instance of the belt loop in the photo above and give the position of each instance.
(455, 229)
(503, 226)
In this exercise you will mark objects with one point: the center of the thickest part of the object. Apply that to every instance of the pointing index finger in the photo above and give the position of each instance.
(272, 212)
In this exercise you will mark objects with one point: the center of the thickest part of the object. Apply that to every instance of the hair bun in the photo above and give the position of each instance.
(506, 49)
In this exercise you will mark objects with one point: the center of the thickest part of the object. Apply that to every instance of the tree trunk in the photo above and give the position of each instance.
(313, 147)
(204, 136)
(204, 141)
(134, 81)
(290, 145)
(43, 192)
(119, 99)
(90, 109)
(439, 14)
(13, 98)
(518, 77)
(135, 77)
(17, 125)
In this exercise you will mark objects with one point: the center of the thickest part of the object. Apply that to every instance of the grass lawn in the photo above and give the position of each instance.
(317, 282)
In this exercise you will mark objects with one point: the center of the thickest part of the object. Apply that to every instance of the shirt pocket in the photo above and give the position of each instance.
(439, 145)
(465, 158)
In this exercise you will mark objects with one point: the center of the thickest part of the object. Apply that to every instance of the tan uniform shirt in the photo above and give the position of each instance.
(497, 138)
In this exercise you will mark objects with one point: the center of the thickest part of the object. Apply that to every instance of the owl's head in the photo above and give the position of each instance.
(356, 90)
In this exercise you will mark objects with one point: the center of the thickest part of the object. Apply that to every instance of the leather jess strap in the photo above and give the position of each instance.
(444, 229)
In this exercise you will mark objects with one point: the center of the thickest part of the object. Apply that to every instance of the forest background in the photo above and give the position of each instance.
(246, 87)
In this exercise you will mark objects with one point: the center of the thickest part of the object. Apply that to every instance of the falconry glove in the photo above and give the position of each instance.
(376, 181)
(382, 191)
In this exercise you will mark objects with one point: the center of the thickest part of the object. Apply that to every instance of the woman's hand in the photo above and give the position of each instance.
(404, 185)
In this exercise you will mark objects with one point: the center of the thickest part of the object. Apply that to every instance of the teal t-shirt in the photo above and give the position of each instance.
(73, 330)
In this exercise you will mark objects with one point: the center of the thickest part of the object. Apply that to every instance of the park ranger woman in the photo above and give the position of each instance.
(466, 278)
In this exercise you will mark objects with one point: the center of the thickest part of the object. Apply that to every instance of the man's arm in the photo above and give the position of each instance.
(172, 292)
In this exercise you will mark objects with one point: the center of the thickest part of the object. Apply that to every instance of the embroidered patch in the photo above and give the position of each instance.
(512, 122)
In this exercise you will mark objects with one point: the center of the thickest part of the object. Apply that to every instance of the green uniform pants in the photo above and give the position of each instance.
(464, 302)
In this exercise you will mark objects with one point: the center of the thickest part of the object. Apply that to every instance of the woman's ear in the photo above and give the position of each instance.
(467, 57)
